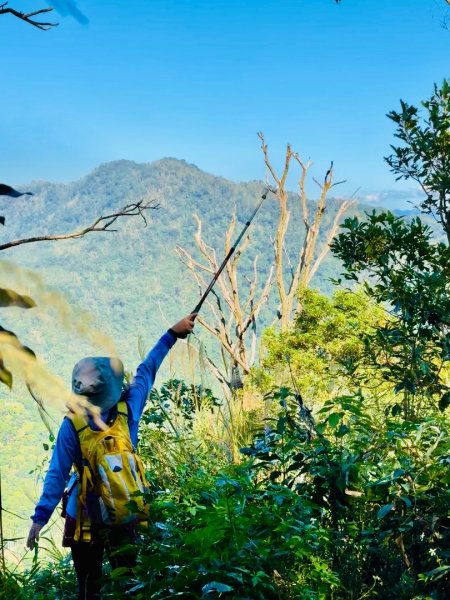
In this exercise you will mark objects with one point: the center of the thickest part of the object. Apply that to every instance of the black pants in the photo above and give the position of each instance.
(119, 544)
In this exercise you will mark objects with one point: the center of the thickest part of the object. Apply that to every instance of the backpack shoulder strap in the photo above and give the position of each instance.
(122, 408)
(79, 423)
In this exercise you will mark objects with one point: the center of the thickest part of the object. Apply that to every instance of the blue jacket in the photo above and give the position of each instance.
(67, 450)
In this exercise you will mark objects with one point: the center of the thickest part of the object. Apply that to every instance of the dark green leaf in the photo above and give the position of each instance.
(396, 410)
(334, 419)
(384, 510)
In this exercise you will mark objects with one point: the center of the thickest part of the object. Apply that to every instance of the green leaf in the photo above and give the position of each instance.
(281, 425)
(320, 428)
(384, 510)
(119, 572)
(334, 419)
(438, 573)
(406, 500)
(215, 586)
(135, 588)
(343, 430)
(396, 410)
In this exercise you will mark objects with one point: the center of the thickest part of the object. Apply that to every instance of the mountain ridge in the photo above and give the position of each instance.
(100, 270)
(384, 199)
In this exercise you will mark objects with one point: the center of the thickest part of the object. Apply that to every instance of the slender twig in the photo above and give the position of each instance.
(101, 224)
(27, 16)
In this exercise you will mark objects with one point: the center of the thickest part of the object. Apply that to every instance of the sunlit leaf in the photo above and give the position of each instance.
(12, 298)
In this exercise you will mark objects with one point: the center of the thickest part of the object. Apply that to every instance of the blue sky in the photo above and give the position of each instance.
(197, 79)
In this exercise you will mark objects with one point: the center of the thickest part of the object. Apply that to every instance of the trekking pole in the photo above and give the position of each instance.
(231, 251)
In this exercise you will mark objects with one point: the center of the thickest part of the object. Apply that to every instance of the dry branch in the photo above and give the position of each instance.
(231, 315)
(326, 247)
(4, 9)
(100, 224)
(304, 267)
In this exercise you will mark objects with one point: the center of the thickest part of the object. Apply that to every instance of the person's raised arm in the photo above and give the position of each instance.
(146, 372)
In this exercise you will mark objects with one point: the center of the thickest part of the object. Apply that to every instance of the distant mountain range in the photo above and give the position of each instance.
(132, 281)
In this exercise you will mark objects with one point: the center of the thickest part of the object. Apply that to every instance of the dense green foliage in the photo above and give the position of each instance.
(355, 504)
(411, 274)
(322, 349)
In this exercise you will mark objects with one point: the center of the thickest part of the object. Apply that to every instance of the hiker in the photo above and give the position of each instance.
(95, 523)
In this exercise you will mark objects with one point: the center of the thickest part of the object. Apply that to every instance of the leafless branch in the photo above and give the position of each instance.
(338, 183)
(332, 232)
(255, 306)
(266, 158)
(4, 9)
(317, 183)
(231, 315)
(190, 262)
(101, 224)
(301, 185)
(221, 377)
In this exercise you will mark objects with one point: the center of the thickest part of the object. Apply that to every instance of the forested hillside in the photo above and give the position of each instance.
(131, 281)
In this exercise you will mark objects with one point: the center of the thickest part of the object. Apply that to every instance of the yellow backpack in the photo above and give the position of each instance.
(112, 478)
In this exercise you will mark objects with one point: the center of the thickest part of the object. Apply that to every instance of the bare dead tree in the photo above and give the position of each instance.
(305, 266)
(102, 223)
(28, 17)
(234, 314)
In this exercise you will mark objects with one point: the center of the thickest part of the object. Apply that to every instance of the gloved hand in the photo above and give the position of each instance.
(33, 535)
(184, 327)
